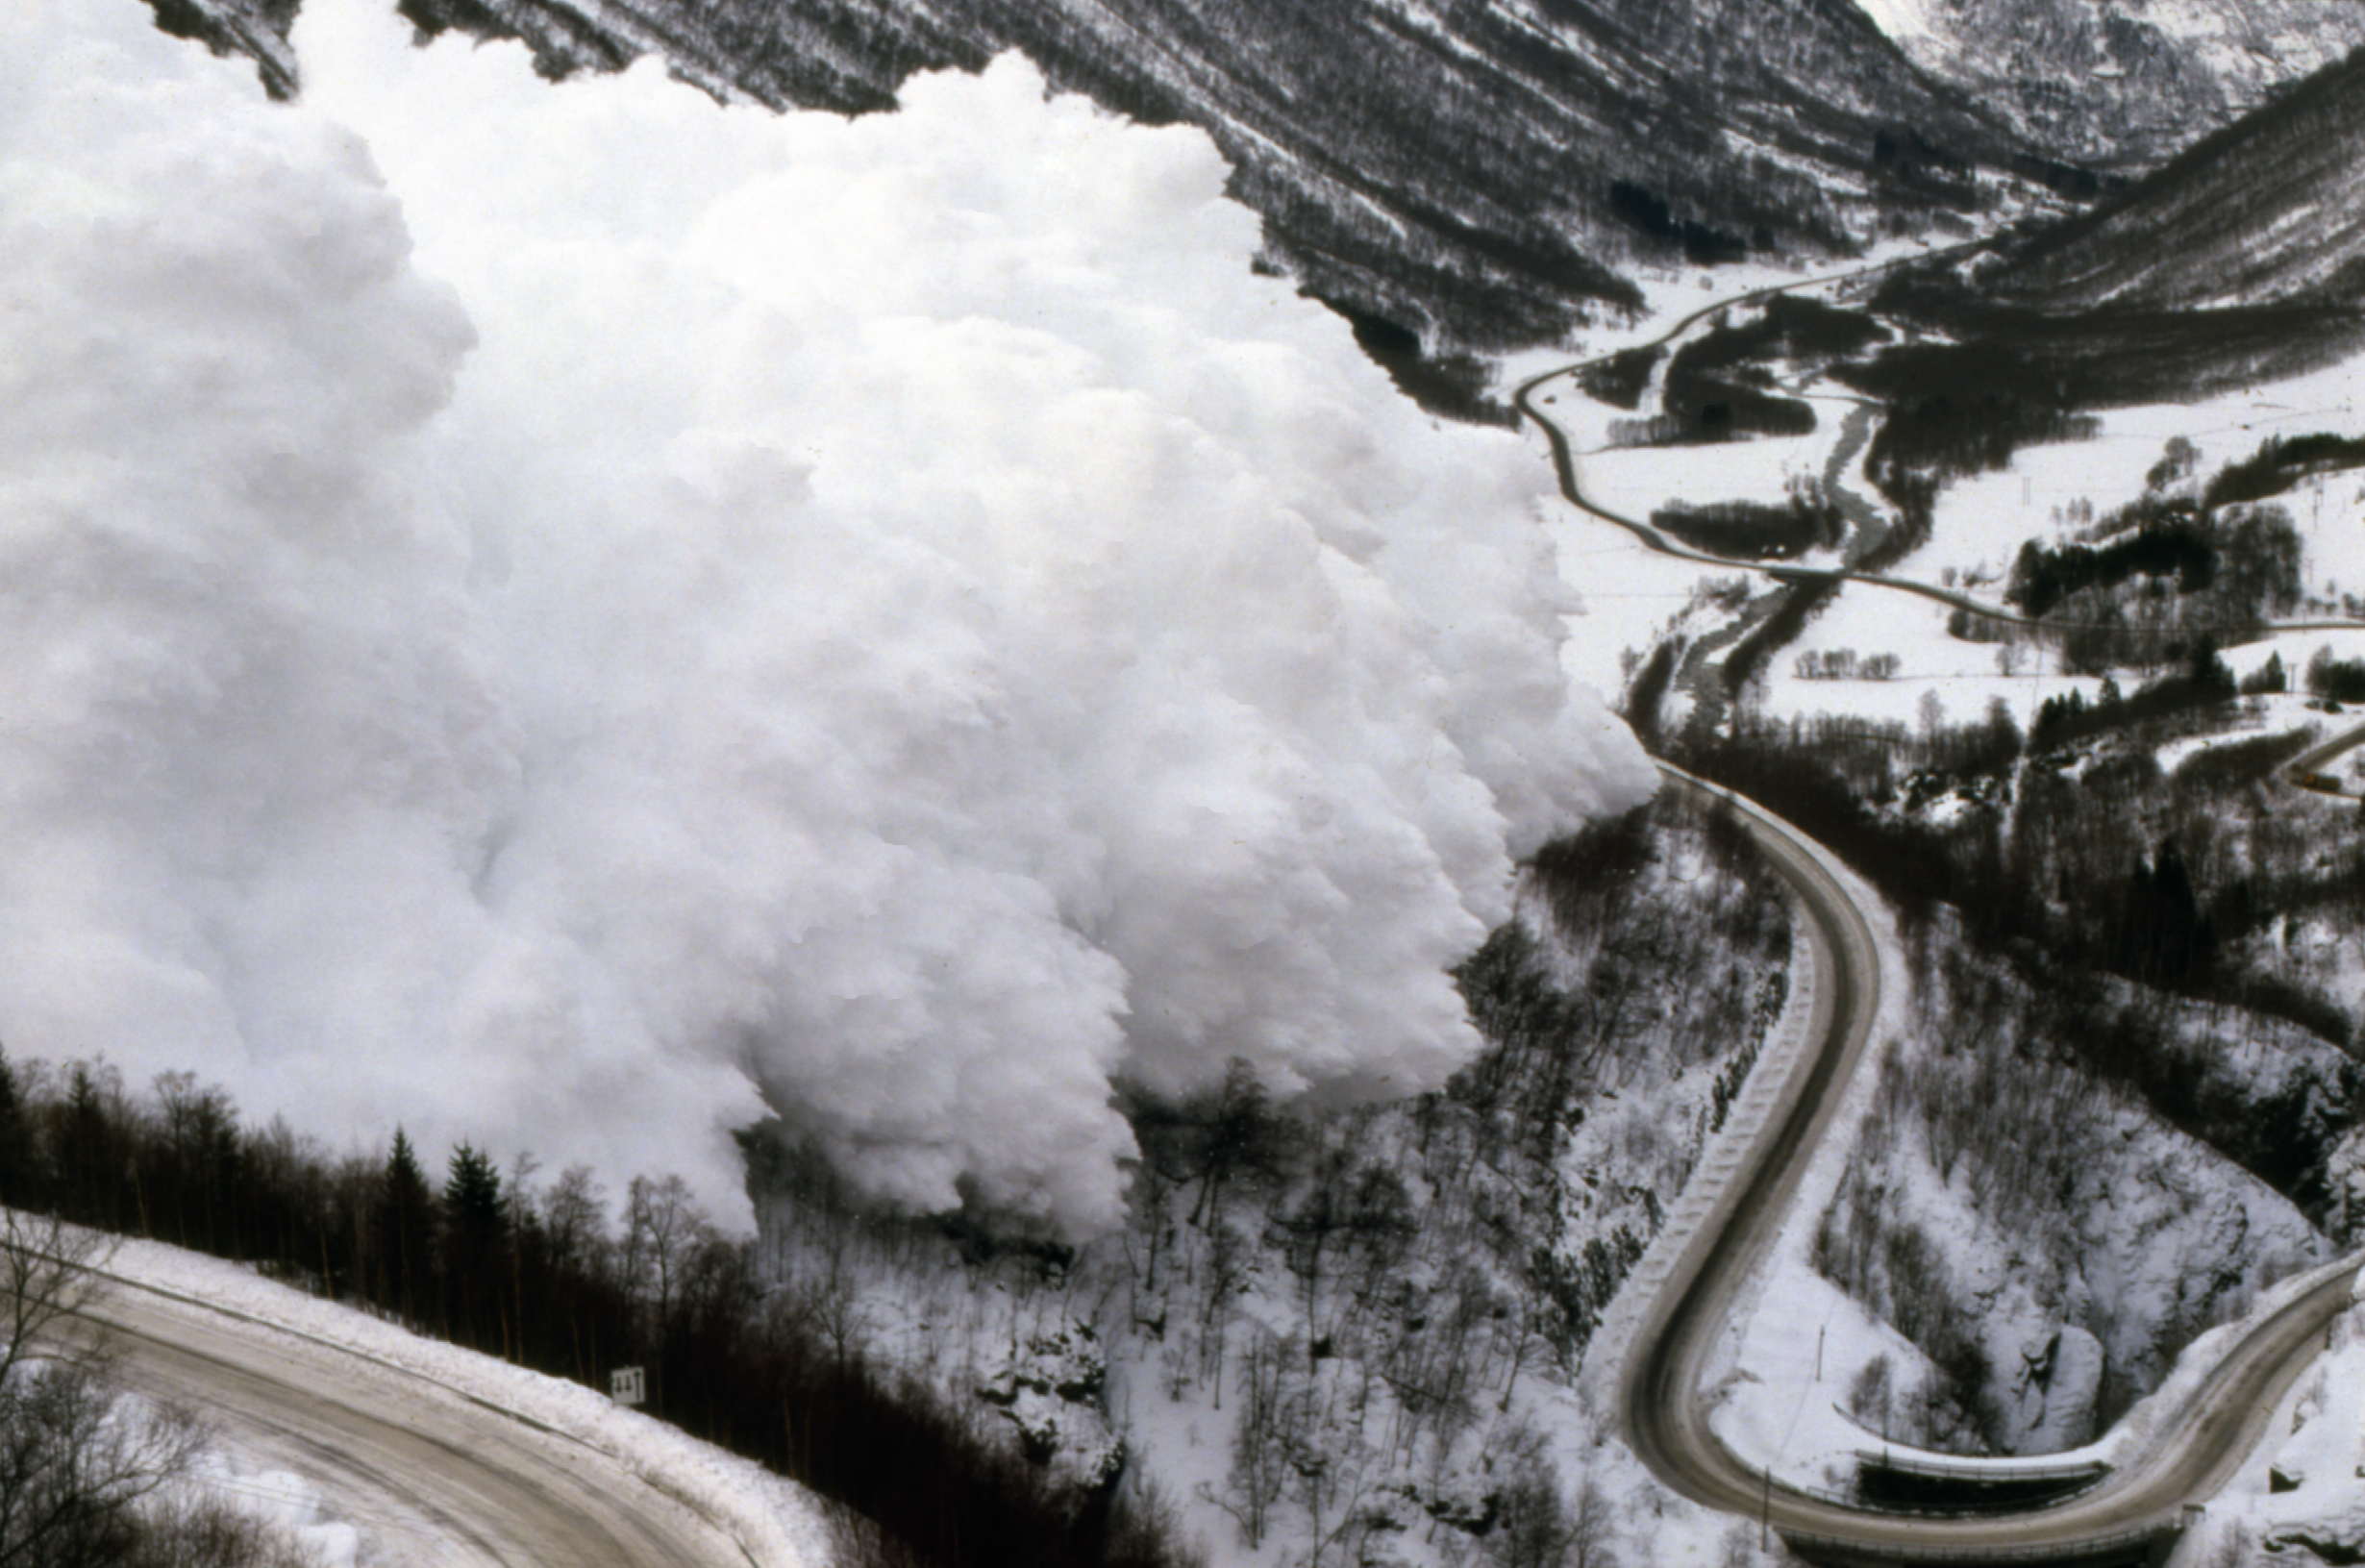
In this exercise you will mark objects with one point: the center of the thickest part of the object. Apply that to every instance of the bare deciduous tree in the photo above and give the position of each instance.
(663, 1226)
(79, 1461)
(47, 1275)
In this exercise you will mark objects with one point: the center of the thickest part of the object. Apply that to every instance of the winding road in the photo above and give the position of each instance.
(428, 1473)
(2196, 1447)
(2193, 1449)
(1524, 399)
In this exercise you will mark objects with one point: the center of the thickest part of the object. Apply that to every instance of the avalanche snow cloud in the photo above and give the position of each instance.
(574, 616)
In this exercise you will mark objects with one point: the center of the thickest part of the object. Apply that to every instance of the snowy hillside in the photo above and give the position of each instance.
(2120, 85)
(2044, 1240)
(2264, 212)
(1355, 1337)
(2301, 1491)
(1473, 177)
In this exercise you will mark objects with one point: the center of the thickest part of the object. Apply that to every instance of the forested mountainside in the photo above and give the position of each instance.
(2242, 259)
(2264, 212)
(2121, 83)
(1476, 176)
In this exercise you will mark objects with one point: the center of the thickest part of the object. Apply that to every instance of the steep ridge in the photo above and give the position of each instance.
(2117, 84)
(1475, 177)
(2269, 211)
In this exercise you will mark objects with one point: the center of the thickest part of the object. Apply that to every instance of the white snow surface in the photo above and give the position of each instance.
(571, 616)
(1899, 19)
(2317, 1448)
(779, 1524)
(1983, 519)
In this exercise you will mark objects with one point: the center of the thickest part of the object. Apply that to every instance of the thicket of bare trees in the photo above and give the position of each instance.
(2001, 1100)
(1434, 1254)
(2095, 933)
(1422, 1261)
(2089, 860)
(91, 1477)
(1363, 1299)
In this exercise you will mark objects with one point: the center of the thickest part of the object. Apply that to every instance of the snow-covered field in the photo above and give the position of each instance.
(1983, 519)
(1629, 593)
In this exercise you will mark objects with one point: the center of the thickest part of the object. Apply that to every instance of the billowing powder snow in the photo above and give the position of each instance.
(572, 616)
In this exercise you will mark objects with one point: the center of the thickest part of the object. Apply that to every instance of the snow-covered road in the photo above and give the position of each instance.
(2195, 1435)
(436, 1455)
(2192, 1436)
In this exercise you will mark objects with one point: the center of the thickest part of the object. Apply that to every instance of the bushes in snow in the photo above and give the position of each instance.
(1842, 664)
(1359, 1312)
(90, 1475)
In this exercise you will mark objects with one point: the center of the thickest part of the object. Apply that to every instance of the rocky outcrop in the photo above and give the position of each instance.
(2060, 1391)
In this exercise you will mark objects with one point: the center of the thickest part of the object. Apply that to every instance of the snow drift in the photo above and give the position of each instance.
(575, 615)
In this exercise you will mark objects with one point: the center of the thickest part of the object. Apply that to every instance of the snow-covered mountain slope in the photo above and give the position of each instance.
(2044, 1239)
(2270, 210)
(2120, 83)
(1332, 1339)
(1476, 175)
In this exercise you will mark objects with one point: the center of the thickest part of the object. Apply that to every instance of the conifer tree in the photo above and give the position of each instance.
(476, 1226)
(20, 1174)
(404, 1231)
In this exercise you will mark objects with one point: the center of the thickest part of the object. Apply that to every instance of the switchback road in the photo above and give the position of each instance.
(2191, 1451)
(2194, 1448)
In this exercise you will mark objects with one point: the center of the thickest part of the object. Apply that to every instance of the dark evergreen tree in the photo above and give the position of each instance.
(19, 1164)
(92, 1153)
(475, 1251)
(403, 1227)
(192, 1178)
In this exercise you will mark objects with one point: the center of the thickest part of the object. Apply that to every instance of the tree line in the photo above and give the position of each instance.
(1364, 1295)
(1808, 519)
(538, 1275)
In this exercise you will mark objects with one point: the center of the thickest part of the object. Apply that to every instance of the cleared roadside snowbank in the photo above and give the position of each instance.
(1763, 1093)
(776, 1522)
(1792, 1332)
(2301, 1486)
